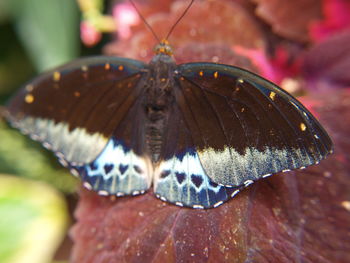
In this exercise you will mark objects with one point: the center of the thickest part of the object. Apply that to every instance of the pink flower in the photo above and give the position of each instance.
(125, 16)
(89, 34)
(336, 18)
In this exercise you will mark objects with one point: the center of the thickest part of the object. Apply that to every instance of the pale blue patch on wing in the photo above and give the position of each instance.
(182, 180)
(116, 171)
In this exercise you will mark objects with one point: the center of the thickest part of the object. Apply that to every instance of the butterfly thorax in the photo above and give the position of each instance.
(158, 101)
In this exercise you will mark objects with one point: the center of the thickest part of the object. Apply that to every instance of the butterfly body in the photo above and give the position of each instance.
(158, 101)
(197, 132)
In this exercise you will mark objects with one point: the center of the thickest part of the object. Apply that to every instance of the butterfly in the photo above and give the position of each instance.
(197, 133)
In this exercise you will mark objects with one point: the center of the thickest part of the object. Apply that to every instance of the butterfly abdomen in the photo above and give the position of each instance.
(155, 125)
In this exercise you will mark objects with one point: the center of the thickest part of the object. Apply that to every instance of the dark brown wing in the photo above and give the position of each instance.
(74, 109)
(244, 127)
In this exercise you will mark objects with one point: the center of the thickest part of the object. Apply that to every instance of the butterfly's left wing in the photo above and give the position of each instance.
(85, 112)
(69, 109)
(242, 128)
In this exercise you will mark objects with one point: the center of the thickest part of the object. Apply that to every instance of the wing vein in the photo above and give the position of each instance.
(214, 111)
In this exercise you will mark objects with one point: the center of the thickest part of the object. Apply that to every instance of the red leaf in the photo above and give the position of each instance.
(207, 22)
(290, 19)
(300, 216)
(336, 18)
(326, 65)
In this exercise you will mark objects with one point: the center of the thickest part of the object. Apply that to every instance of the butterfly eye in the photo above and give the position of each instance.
(168, 50)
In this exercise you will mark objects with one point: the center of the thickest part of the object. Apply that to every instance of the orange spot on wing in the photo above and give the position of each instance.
(56, 76)
(29, 98)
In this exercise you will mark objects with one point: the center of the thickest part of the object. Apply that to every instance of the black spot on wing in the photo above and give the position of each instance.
(93, 166)
(180, 177)
(165, 174)
(137, 169)
(197, 180)
(108, 168)
(123, 168)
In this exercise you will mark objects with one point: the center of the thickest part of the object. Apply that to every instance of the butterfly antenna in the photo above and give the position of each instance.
(178, 20)
(144, 20)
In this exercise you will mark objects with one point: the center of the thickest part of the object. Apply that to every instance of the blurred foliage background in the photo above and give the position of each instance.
(35, 35)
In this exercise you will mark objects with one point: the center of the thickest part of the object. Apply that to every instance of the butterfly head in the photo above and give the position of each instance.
(163, 48)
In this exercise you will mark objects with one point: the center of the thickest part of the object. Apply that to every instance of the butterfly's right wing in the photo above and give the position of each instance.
(74, 111)
(245, 127)
(232, 128)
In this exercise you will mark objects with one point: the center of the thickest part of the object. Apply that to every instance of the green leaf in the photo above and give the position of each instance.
(4, 10)
(49, 30)
(33, 221)
(23, 157)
